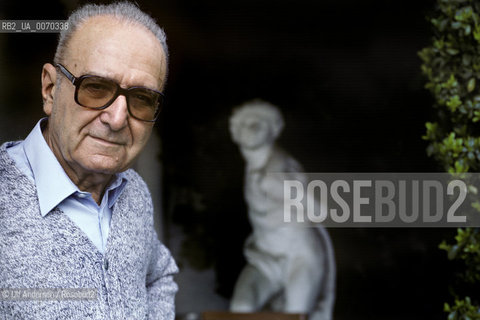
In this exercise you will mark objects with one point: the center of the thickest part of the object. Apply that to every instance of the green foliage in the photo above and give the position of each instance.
(462, 310)
(467, 248)
(451, 65)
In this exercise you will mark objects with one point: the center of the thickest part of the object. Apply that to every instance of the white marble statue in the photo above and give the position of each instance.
(290, 268)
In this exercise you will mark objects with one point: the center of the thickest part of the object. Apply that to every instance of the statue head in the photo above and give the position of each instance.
(255, 124)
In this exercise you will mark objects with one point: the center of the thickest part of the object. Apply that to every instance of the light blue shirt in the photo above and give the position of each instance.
(36, 160)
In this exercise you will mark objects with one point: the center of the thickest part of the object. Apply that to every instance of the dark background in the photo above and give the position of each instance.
(347, 78)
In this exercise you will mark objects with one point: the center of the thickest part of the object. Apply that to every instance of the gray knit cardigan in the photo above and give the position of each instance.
(133, 279)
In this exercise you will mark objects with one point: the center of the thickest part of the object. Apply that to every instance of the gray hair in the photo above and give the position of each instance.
(259, 109)
(123, 11)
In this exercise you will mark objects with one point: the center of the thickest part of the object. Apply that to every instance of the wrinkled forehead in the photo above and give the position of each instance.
(103, 40)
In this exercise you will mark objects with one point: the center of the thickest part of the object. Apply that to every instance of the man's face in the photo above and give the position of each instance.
(103, 141)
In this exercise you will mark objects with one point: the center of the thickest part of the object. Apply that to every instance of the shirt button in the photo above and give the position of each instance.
(82, 195)
(105, 264)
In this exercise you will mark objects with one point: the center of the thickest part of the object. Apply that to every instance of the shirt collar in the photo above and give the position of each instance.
(115, 189)
(53, 184)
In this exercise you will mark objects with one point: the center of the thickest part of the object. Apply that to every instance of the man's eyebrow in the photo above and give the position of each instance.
(117, 82)
(96, 74)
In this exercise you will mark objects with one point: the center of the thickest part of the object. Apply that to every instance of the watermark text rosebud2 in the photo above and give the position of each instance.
(378, 199)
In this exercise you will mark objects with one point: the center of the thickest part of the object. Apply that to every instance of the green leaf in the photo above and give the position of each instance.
(452, 253)
(452, 315)
(471, 85)
(452, 51)
(446, 307)
(454, 102)
(476, 33)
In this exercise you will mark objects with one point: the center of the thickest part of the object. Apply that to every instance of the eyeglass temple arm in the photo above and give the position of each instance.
(67, 73)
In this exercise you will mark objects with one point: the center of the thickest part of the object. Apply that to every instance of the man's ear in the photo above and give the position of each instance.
(49, 77)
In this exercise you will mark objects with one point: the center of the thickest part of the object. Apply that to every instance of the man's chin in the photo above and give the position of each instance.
(104, 165)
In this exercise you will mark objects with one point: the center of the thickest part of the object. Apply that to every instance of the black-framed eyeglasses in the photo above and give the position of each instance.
(98, 93)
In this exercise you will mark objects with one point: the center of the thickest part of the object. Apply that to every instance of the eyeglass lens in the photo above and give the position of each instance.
(97, 92)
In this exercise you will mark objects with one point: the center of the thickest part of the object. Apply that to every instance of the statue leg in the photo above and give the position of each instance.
(302, 289)
(252, 290)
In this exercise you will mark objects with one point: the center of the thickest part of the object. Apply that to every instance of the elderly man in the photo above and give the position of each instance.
(72, 215)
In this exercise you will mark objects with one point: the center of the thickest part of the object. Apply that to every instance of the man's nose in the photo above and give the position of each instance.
(116, 114)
